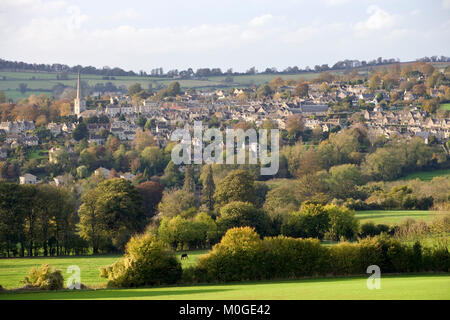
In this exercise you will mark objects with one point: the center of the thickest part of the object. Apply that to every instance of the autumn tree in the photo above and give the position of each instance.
(176, 202)
(243, 214)
(301, 88)
(294, 126)
(238, 185)
(111, 212)
(431, 105)
(276, 83)
(151, 193)
(419, 89)
(172, 176)
(264, 91)
(312, 221)
(142, 139)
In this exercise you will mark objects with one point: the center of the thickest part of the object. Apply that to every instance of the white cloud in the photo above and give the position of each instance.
(126, 14)
(446, 4)
(301, 35)
(332, 3)
(378, 20)
(261, 20)
(61, 32)
(75, 18)
(49, 31)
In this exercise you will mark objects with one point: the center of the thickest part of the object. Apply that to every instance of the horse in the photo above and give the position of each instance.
(184, 256)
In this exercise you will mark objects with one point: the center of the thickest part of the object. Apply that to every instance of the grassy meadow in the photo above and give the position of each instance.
(427, 175)
(391, 217)
(429, 286)
(41, 82)
(13, 270)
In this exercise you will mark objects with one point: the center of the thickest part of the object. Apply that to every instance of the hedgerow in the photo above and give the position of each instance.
(242, 255)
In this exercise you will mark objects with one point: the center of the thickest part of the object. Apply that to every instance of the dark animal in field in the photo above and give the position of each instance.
(184, 256)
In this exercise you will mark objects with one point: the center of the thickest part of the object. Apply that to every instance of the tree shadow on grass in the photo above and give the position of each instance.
(150, 293)
(381, 216)
(111, 294)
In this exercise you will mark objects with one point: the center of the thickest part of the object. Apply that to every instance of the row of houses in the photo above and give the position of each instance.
(414, 123)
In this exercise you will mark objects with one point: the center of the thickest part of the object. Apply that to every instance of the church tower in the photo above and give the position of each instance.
(79, 103)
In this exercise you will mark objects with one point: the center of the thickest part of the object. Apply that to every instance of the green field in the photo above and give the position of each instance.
(427, 175)
(445, 106)
(391, 217)
(13, 270)
(430, 286)
(38, 82)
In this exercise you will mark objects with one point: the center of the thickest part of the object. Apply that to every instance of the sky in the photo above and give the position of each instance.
(238, 34)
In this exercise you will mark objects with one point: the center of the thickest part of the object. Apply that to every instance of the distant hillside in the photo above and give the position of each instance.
(20, 84)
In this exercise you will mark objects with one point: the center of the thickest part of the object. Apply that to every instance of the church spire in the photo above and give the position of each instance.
(79, 103)
(78, 86)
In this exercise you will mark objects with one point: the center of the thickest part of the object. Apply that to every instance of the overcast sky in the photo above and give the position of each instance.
(238, 34)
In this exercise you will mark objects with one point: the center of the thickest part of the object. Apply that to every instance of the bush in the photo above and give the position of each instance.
(343, 223)
(235, 258)
(359, 204)
(44, 278)
(284, 257)
(344, 259)
(242, 255)
(313, 221)
(440, 260)
(243, 214)
(147, 261)
(369, 229)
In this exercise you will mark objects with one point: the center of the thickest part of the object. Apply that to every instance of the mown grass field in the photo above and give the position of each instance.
(13, 270)
(391, 217)
(38, 83)
(445, 106)
(427, 175)
(429, 286)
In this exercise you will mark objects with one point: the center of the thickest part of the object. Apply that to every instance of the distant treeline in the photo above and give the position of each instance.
(59, 68)
(201, 72)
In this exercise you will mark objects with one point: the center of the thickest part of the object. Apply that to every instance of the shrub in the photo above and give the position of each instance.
(440, 227)
(243, 214)
(411, 229)
(359, 204)
(417, 257)
(312, 221)
(284, 257)
(343, 223)
(344, 259)
(235, 258)
(441, 260)
(44, 278)
(242, 255)
(369, 229)
(147, 261)
(182, 233)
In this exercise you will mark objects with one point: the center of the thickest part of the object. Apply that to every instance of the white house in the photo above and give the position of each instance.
(28, 178)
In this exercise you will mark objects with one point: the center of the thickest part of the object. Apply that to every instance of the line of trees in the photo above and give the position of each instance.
(57, 67)
(43, 219)
(242, 255)
(201, 72)
(38, 220)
